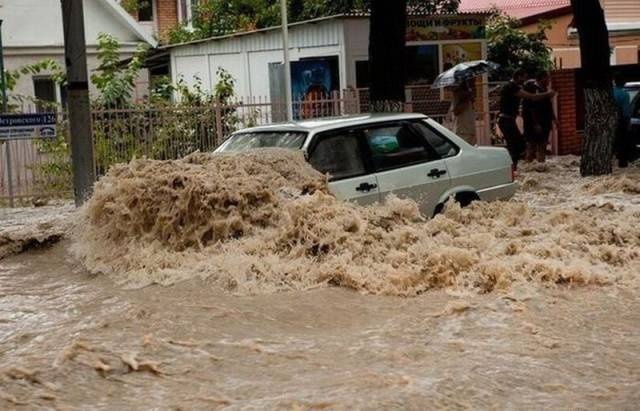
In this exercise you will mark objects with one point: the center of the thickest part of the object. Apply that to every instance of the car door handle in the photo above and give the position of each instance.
(435, 173)
(366, 187)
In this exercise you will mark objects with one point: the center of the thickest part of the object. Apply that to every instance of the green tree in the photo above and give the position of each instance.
(512, 48)
(116, 81)
(219, 17)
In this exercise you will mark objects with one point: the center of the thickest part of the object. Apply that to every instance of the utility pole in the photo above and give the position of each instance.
(75, 52)
(287, 66)
(5, 110)
(3, 77)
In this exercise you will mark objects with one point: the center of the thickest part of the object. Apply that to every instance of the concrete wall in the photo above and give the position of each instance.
(566, 46)
(622, 11)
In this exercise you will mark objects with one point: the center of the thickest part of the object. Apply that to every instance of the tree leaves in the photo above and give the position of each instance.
(513, 48)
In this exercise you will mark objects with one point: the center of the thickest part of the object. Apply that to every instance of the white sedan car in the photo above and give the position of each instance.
(368, 157)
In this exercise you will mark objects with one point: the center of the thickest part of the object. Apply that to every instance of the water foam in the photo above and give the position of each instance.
(265, 221)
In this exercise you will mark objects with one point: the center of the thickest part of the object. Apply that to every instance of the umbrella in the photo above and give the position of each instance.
(462, 72)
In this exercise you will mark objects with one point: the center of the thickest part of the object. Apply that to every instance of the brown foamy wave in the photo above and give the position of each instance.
(614, 184)
(265, 222)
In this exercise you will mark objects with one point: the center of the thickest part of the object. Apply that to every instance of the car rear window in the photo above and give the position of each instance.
(396, 145)
(339, 156)
(270, 139)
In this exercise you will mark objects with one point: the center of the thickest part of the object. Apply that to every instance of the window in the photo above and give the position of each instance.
(362, 74)
(339, 155)
(44, 90)
(440, 144)
(276, 139)
(422, 64)
(396, 146)
(188, 10)
(145, 10)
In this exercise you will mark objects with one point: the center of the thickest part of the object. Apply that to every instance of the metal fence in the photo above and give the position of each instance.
(35, 168)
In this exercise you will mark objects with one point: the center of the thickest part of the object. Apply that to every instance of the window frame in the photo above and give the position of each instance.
(422, 139)
(366, 149)
(152, 4)
(360, 138)
(185, 14)
(425, 123)
(227, 141)
(54, 88)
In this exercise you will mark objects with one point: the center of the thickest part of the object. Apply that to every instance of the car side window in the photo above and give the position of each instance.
(440, 144)
(338, 155)
(396, 145)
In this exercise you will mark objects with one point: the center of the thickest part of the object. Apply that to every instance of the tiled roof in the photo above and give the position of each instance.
(515, 8)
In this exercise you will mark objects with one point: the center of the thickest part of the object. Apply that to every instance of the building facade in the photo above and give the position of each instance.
(337, 46)
(622, 18)
(32, 32)
(158, 17)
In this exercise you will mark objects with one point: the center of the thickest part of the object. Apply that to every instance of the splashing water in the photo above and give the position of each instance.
(265, 222)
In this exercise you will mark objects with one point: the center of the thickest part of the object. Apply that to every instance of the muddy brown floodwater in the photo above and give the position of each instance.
(178, 290)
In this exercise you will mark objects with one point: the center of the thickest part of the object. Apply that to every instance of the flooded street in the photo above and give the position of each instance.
(528, 304)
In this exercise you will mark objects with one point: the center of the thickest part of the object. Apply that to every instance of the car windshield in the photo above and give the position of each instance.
(632, 93)
(264, 139)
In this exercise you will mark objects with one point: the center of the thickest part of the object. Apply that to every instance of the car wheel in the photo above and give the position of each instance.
(464, 199)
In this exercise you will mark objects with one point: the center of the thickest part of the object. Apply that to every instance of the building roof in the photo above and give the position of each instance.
(521, 9)
(38, 23)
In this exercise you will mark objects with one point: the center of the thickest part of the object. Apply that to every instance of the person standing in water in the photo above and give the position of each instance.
(510, 98)
(464, 115)
(538, 118)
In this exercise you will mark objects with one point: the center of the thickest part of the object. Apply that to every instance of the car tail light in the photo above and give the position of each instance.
(513, 173)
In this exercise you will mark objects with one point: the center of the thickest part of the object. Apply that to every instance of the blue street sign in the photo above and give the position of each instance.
(27, 126)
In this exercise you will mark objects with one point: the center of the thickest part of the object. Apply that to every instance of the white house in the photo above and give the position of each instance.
(32, 31)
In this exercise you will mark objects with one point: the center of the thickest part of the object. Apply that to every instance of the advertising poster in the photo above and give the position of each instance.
(437, 28)
(312, 80)
(453, 54)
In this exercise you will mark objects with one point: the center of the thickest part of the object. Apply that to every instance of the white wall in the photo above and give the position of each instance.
(247, 57)
(357, 45)
(32, 31)
(38, 23)
(232, 63)
(190, 68)
(24, 86)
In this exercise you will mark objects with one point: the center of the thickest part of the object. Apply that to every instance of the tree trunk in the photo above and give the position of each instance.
(599, 132)
(387, 33)
(600, 110)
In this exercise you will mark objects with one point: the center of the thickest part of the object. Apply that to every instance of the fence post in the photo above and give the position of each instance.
(335, 96)
(218, 114)
(9, 173)
(408, 105)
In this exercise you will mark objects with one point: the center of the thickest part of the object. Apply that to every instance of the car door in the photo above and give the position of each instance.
(342, 155)
(406, 165)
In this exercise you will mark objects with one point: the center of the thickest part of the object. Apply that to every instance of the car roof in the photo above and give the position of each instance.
(632, 84)
(331, 123)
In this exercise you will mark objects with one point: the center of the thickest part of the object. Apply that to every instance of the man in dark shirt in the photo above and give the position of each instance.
(538, 118)
(510, 97)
